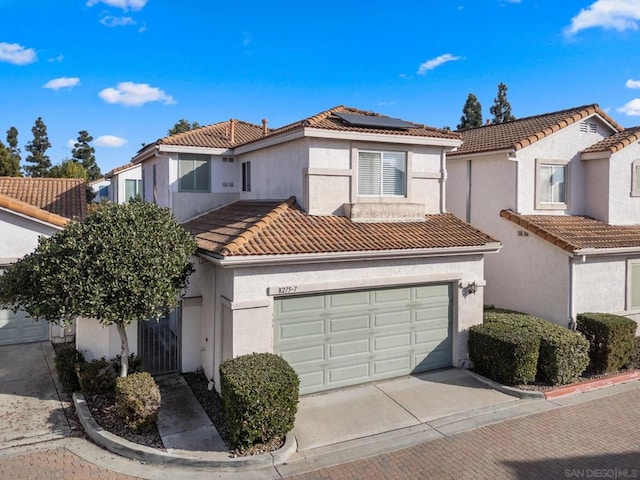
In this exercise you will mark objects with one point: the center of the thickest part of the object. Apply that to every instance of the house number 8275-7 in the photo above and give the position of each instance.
(287, 289)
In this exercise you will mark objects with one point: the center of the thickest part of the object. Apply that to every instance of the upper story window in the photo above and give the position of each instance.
(551, 184)
(633, 284)
(132, 189)
(382, 174)
(635, 178)
(246, 176)
(194, 172)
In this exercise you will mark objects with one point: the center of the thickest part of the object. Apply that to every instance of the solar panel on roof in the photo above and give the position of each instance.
(374, 121)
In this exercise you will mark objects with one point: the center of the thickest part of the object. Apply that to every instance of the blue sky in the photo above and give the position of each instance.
(127, 70)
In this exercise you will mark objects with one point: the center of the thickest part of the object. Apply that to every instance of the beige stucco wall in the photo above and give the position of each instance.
(244, 297)
(597, 198)
(624, 208)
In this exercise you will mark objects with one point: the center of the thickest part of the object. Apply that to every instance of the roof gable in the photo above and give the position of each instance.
(277, 227)
(523, 132)
(63, 197)
(615, 142)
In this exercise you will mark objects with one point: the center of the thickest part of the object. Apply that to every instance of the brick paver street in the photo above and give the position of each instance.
(596, 439)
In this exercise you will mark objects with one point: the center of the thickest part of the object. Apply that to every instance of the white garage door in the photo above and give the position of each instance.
(345, 338)
(20, 328)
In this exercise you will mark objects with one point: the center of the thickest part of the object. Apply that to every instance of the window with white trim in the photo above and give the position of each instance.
(382, 174)
(194, 172)
(633, 284)
(551, 184)
(635, 178)
(132, 189)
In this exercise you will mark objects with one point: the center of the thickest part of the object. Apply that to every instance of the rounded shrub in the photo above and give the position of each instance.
(610, 340)
(634, 358)
(138, 400)
(97, 377)
(68, 360)
(260, 398)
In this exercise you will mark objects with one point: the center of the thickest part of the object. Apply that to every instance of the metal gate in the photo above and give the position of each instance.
(159, 343)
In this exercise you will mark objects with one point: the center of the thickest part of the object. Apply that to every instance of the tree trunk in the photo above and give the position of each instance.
(124, 351)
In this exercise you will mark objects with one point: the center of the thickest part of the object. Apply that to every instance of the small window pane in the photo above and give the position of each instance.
(201, 170)
(393, 173)
(369, 173)
(194, 172)
(552, 184)
(637, 171)
(635, 285)
(130, 189)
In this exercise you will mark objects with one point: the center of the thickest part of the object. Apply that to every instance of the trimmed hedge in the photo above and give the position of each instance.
(610, 340)
(634, 358)
(67, 360)
(138, 400)
(259, 396)
(563, 354)
(504, 353)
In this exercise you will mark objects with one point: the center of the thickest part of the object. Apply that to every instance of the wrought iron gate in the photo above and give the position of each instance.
(159, 343)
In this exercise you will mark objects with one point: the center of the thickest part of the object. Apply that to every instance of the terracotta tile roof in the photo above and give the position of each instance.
(575, 232)
(523, 132)
(122, 168)
(615, 142)
(217, 135)
(65, 197)
(328, 121)
(256, 227)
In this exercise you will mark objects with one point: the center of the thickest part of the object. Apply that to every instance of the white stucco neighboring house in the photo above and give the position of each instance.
(125, 183)
(100, 189)
(31, 208)
(561, 191)
(325, 241)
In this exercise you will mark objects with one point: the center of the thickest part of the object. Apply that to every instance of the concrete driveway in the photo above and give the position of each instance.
(31, 409)
(379, 408)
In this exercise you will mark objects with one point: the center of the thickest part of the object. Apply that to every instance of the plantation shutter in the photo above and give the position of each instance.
(369, 173)
(393, 173)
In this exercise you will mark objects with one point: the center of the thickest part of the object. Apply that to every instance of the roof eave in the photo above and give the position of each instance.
(606, 251)
(604, 155)
(333, 257)
(508, 152)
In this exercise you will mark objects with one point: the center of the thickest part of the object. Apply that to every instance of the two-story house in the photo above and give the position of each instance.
(561, 192)
(325, 241)
(125, 183)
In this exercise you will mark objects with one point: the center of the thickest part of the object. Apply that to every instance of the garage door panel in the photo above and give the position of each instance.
(297, 305)
(398, 331)
(19, 327)
(349, 324)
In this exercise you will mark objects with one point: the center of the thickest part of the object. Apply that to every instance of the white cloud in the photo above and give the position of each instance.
(111, 21)
(143, 28)
(110, 141)
(71, 144)
(436, 62)
(57, 59)
(615, 14)
(135, 94)
(16, 54)
(62, 82)
(632, 83)
(123, 4)
(631, 108)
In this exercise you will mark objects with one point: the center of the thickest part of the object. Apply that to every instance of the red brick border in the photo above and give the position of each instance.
(593, 384)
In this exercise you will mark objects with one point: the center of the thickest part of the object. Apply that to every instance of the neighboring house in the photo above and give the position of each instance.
(326, 241)
(31, 208)
(562, 192)
(126, 183)
(100, 189)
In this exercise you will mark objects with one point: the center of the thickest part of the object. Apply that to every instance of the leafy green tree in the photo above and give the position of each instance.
(37, 148)
(123, 262)
(501, 108)
(8, 165)
(69, 168)
(471, 113)
(182, 126)
(84, 154)
(12, 142)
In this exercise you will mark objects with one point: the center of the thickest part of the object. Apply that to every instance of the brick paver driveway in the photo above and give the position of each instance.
(596, 439)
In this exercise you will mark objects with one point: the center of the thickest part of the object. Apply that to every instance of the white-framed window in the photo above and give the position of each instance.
(132, 188)
(633, 284)
(551, 184)
(194, 172)
(635, 178)
(246, 176)
(382, 174)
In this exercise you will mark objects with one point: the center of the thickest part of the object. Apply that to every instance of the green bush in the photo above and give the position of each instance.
(634, 358)
(98, 377)
(260, 398)
(138, 400)
(563, 354)
(610, 340)
(67, 362)
(504, 353)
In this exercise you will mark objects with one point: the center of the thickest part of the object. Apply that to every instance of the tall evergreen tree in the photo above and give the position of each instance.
(84, 154)
(14, 150)
(471, 113)
(8, 168)
(37, 148)
(182, 126)
(501, 109)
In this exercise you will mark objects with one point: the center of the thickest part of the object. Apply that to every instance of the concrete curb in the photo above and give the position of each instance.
(514, 392)
(592, 384)
(219, 460)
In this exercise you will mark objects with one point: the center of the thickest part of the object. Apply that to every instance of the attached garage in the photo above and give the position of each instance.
(21, 328)
(345, 338)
